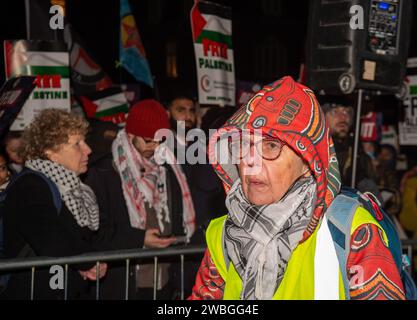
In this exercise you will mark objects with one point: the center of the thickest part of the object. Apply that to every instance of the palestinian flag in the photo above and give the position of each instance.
(212, 35)
(36, 57)
(48, 61)
(106, 105)
(212, 21)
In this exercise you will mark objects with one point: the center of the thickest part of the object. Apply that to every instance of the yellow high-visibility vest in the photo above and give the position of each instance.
(298, 282)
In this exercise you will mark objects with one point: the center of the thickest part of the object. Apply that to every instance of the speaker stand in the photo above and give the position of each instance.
(357, 137)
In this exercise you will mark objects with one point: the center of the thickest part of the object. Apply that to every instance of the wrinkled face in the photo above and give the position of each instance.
(183, 110)
(72, 155)
(145, 146)
(339, 120)
(4, 171)
(274, 178)
(12, 148)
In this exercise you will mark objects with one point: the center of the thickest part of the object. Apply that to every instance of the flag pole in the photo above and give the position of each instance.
(357, 135)
(27, 12)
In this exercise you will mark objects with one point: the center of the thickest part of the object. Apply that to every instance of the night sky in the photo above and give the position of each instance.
(279, 26)
(162, 21)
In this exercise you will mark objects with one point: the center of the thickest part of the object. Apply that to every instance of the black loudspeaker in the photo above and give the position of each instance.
(360, 44)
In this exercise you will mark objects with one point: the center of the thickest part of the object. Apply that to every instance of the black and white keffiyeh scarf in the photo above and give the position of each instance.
(260, 239)
(78, 197)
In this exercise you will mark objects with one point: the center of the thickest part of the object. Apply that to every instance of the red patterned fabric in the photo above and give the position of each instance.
(373, 273)
(209, 285)
(289, 111)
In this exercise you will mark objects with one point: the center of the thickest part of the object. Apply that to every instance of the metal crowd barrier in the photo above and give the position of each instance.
(128, 255)
(97, 257)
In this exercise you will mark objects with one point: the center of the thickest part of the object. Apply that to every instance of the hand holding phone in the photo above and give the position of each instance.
(153, 239)
(180, 239)
(165, 236)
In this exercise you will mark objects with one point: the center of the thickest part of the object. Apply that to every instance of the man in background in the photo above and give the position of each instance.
(205, 187)
(339, 116)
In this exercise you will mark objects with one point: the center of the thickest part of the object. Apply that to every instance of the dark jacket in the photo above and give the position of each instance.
(344, 154)
(209, 202)
(30, 217)
(208, 197)
(115, 231)
(366, 175)
(206, 191)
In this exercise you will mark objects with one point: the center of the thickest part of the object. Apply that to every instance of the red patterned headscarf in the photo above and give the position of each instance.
(288, 111)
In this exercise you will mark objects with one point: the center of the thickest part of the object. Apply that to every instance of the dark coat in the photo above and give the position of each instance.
(206, 191)
(30, 217)
(115, 231)
(209, 203)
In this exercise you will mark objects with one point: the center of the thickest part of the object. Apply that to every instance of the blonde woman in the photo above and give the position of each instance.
(48, 211)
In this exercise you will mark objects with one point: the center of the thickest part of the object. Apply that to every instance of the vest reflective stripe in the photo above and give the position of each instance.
(214, 239)
(326, 266)
(299, 278)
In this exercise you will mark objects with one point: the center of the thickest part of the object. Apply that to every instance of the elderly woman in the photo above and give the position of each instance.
(48, 211)
(275, 242)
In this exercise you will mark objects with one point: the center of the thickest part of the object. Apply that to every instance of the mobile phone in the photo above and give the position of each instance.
(180, 239)
(165, 236)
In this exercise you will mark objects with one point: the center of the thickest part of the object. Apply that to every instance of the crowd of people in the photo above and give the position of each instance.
(111, 196)
(76, 185)
(376, 164)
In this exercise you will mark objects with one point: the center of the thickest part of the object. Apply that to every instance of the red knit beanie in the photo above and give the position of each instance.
(145, 118)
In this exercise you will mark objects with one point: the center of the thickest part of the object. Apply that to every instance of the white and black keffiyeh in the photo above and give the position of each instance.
(260, 239)
(78, 197)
